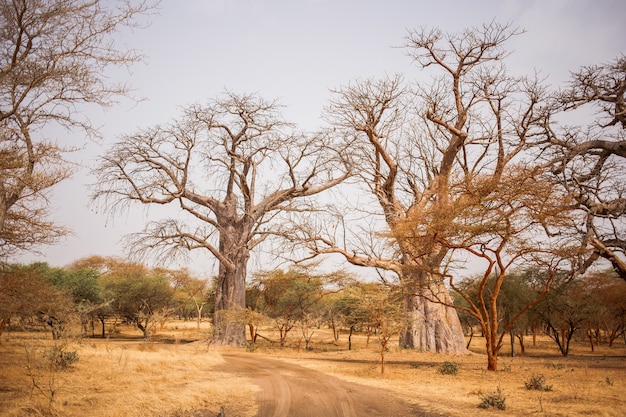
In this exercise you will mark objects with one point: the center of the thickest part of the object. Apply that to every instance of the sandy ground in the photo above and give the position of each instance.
(291, 390)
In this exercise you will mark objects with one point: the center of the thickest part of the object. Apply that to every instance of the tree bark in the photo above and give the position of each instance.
(492, 360)
(350, 337)
(433, 326)
(143, 328)
(522, 347)
(230, 300)
(102, 322)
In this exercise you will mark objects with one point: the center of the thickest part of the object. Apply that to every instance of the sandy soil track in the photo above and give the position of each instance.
(289, 390)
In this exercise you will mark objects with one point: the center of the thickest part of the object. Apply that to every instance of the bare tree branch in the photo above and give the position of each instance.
(52, 60)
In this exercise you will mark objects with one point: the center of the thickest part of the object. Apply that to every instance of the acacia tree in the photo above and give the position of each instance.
(288, 297)
(564, 311)
(589, 160)
(381, 307)
(600, 291)
(503, 222)
(192, 291)
(231, 167)
(609, 294)
(474, 119)
(53, 54)
(26, 291)
(517, 292)
(138, 293)
(83, 285)
(22, 291)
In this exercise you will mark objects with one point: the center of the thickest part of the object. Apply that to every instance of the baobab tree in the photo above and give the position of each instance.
(231, 167)
(473, 120)
(53, 55)
(375, 112)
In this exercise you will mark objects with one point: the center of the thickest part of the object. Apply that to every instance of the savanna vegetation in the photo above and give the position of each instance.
(475, 166)
(57, 362)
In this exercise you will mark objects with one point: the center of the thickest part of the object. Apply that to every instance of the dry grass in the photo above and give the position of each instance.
(120, 377)
(582, 384)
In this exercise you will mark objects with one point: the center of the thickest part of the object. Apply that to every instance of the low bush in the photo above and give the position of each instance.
(495, 400)
(537, 383)
(60, 358)
(448, 368)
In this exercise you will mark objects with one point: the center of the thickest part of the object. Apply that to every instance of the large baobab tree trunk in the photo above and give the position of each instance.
(433, 326)
(230, 302)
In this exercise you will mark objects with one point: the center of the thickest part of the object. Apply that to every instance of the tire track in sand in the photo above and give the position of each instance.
(289, 390)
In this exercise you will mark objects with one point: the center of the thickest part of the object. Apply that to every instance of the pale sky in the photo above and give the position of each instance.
(295, 51)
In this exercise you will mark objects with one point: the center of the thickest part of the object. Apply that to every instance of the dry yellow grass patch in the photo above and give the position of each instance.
(119, 378)
(130, 377)
(581, 384)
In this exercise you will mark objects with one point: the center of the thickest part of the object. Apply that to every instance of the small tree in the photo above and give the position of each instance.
(17, 293)
(609, 293)
(307, 326)
(565, 311)
(288, 296)
(561, 319)
(344, 310)
(517, 292)
(84, 286)
(382, 308)
(100, 265)
(138, 293)
(25, 292)
(331, 313)
(197, 292)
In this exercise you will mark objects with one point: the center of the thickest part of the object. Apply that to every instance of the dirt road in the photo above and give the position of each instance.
(289, 390)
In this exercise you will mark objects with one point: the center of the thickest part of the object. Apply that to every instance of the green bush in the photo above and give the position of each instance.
(448, 368)
(61, 359)
(537, 383)
(494, 400)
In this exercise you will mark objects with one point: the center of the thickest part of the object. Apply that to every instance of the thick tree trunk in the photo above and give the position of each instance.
(433, 326)
(230, 304)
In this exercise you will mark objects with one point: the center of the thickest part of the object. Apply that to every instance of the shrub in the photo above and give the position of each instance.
(494, 400)
(61, 359)
(448, 368)
(537, 383)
